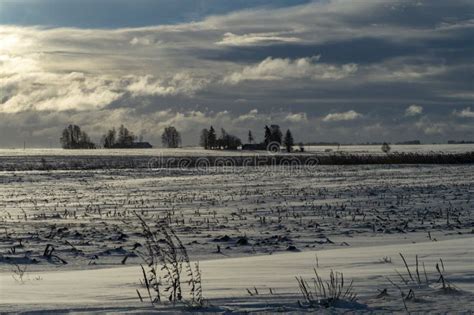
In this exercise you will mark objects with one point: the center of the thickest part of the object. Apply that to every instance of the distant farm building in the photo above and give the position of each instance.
(254, 146)
(134, 145)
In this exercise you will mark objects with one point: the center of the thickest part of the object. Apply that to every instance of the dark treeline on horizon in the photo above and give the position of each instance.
(273, 140)
(226, 141)
(73, 137)
(122, 138)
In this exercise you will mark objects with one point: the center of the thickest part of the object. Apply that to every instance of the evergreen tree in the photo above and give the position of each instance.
(251, 139)
(268, 136)
(288, 142)
(276, 135)
(212, 138)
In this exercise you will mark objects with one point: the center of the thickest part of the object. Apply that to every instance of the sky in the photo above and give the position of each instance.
(329, 70)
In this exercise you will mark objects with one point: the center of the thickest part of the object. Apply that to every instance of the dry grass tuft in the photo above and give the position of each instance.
(317, 292)
(19, 272)
(165, 260)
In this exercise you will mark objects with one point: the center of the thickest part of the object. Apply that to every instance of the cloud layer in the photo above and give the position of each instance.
(330, 70)
(280, 69)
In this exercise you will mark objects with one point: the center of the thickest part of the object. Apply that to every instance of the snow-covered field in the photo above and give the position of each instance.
(255, 228)
(400, 148)
(225, 282)
(197, 151)
(58, 159)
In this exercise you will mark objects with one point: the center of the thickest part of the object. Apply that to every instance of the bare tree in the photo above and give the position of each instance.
(204, 140)
(386, 147)
(74, 138)
(171, 137)
(109, 139)
(126, 138)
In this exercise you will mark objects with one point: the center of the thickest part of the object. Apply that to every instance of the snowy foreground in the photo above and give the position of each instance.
(225, 282)
(254, 230)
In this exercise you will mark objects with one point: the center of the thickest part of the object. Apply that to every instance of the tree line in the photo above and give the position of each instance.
(226, 141)
(73, 137)
(272, 136)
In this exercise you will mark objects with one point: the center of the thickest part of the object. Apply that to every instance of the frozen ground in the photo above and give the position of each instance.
(188, 151)
(58, 159)
(226, 282)
(197, 151)
(258, 227)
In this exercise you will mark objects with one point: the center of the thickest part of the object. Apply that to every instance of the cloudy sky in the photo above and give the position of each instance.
(330, 70)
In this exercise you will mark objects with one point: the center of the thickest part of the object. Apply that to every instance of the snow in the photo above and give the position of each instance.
(225, 281)
(400, 148)
(197, 151)
(345, 218)
(190, 151)
(313, 209)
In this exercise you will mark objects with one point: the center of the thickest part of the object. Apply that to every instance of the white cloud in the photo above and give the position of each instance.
(50, 91)
(25, 86)
(180, 83)
(280, 69)
(408, 72)
(413, 110)
(465, 113)
(344, 116)
(11, 65)
(78, 91)
(231, 39)
(251, 115)
(297, 117)
(405, 69)
(144, 40)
